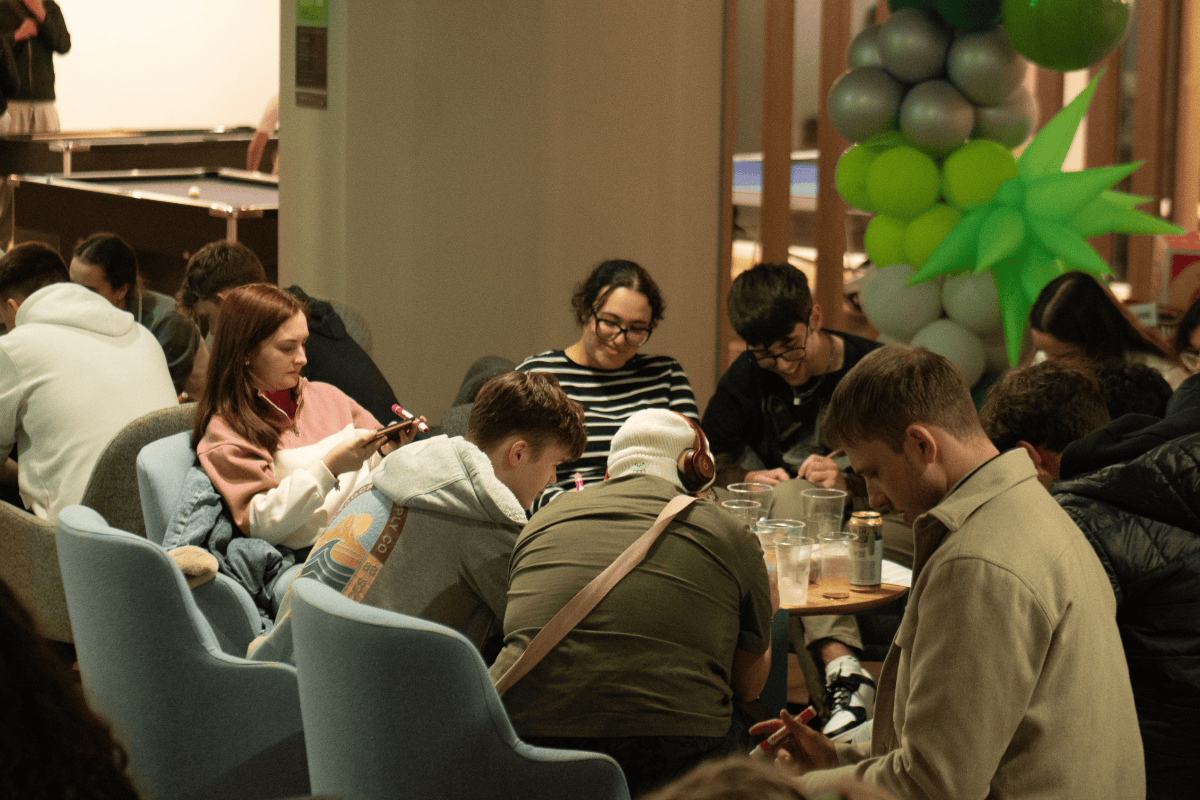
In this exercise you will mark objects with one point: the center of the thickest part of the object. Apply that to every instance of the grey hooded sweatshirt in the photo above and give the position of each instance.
(451, 563)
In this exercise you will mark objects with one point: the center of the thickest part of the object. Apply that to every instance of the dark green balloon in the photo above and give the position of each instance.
(1065, 35)
(970, 15)
(923, 5)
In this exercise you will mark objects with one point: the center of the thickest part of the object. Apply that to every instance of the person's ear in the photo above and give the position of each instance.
(11, 304)
(1045, 461)
(221, 295)
(815, 318)
(922, 441)
(516, 452)
(122, 294)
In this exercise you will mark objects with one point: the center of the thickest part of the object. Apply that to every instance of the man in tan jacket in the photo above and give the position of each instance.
(1006, 678)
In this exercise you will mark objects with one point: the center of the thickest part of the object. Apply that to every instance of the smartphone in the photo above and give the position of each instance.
(393, 430)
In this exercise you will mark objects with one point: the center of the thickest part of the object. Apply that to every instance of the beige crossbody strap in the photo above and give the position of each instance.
(579, 605)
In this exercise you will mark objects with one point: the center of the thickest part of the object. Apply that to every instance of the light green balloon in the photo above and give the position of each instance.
(903, 182)
(972, 173)
(851, 177)
(925, 233)
(884, 240)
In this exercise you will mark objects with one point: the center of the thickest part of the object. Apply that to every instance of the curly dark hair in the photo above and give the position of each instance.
(611, 275)
(51, 744)
(1049, 405)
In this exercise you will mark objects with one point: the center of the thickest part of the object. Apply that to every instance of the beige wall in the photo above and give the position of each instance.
(476, 160)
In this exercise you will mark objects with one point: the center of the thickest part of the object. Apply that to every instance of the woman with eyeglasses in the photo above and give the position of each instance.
(618, 306)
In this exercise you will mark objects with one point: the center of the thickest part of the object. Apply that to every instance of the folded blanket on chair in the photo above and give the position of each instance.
(201, 519)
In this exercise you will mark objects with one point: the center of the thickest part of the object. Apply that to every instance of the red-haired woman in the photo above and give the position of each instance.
(283, 452)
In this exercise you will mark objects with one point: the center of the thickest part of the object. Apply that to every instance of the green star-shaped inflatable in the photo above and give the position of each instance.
(1035, 226)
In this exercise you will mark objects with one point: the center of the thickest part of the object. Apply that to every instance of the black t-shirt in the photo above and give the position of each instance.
(755, 408)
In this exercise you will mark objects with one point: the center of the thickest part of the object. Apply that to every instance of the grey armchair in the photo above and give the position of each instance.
(29, 565)
(391, 704)
(196, 722)
(112, 489)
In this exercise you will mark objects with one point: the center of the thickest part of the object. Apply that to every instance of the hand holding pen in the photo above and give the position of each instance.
(797, 747)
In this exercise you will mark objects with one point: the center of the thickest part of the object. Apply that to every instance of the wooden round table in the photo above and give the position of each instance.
(855, 600)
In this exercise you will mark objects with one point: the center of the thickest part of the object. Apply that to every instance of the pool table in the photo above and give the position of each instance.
(74, 151)
(154, 210)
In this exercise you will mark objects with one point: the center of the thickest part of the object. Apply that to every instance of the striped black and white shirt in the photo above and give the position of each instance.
(609, 397)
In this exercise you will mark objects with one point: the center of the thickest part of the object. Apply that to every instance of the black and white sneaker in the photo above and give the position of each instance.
(851, 692)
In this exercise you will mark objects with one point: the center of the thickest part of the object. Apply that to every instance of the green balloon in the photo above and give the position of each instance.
(1065, 35)
(884, 240)
(973, 173)
(903, 182)
(851, 177)
(969, 15)
(923, 235)
(896, 5)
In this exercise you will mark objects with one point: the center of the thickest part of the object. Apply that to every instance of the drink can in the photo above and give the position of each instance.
(866, 549)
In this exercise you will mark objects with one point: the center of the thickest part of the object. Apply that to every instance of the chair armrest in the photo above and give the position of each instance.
(231, 613)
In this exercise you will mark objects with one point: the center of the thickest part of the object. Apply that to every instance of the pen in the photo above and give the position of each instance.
(767, 746)
(399, 411)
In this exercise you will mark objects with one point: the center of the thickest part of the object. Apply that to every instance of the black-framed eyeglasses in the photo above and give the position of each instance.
(608, 331)
(794, 355)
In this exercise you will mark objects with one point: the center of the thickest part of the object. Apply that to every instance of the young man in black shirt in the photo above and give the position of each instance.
(766, 410)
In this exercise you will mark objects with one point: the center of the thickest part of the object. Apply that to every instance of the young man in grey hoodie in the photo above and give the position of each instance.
(432, 535)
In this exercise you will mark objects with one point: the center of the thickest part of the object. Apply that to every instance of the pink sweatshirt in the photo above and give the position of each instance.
(289, 496)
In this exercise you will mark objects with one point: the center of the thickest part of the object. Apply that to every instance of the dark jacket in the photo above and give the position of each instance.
(1132, 435)
(1143, 519)
(35, 56)
(334, 357)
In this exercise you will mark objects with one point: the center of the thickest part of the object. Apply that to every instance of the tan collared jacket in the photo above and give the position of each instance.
(1006, 678)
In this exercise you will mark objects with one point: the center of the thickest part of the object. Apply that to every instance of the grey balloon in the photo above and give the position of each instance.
(913, 45)
(936, 117)
(985, 67)
(864, 102)
(1010, 123)
(864, 50)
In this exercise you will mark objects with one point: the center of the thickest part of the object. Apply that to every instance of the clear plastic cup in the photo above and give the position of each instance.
(746, 511)
(833, 577)
(823, 509)
(767, 529)
(758, 492)
(793, 560)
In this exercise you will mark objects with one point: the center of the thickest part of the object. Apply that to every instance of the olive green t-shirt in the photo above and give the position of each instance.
(654, 657)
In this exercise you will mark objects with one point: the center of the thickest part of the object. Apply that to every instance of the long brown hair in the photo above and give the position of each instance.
(249, 315)
(1078, 309)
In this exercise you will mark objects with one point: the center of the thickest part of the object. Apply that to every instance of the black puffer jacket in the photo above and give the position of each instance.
(1143, 519)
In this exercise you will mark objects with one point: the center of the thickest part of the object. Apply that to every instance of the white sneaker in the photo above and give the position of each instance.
(851, 690)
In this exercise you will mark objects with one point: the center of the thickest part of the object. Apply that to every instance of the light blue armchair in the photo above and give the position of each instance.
(162, 466)
(196, 722)
(398, 707)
